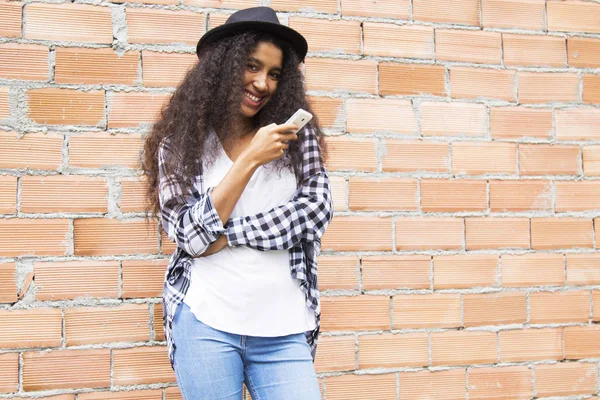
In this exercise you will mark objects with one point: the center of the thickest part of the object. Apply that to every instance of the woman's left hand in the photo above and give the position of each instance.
(216, 246)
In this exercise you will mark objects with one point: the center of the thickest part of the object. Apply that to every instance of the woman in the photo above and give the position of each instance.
(246, 200)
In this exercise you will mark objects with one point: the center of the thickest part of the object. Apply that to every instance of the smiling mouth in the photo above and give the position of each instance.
(254, 99)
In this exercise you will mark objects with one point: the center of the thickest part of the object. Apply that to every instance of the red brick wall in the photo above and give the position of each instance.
(464, 158)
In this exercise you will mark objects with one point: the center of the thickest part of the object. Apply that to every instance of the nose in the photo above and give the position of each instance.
(260, 83)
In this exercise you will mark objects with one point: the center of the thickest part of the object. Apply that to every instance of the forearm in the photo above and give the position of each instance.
(227, 193)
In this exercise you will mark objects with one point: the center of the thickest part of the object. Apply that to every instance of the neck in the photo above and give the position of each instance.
(243, 126)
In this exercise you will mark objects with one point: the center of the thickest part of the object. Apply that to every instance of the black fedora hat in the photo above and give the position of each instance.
(255, 18)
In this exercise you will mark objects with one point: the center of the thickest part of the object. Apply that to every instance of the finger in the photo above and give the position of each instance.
(284, 146)
(287, 127)
(285, 136)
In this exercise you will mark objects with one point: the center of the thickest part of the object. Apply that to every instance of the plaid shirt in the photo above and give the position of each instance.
(191, 221)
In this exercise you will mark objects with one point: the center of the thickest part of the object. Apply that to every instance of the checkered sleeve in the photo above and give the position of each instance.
(304, 218)
(189, 219)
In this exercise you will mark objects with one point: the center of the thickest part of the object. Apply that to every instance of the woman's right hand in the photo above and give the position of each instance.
(269, 143)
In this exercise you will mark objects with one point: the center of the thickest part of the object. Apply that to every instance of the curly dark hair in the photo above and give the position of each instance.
(209, 97)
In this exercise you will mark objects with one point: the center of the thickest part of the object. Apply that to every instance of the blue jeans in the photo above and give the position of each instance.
(211, 364)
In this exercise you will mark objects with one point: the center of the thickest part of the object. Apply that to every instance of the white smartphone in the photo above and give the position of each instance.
(300, 118)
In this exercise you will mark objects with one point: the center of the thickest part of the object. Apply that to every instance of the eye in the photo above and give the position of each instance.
(252, 68)
(275, 75)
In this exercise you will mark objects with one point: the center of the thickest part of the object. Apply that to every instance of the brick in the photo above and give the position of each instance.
(68, 22)
(583, 52)
(9, 370)
(356, 313)
(223, 3)
(336, 353)
(39, 237)
(351, 154)
(149, 26)
(395, 272)
(565, 379)
(533, 50)
(173, 393)
(596, 305)
(122, 395)
(8, 194)
(547, 159)
(68, 280)
(141, 366)
(468, 46)
(59, 397)
(415, 155)
(429, 233)
(339, 193)
(561, 233)
(105, 150)
(520, 122)
(500, 383)
(166, 69)
(324, 6)
(392, 194)
(135, 108)
(66, 369)
(463, 348)
(34, 150)
(24, 61)
(533, 270)
(358, 387)
(578, 124)
(465, 271)
(582, 342)
(439, 195)
(10, 25)
(39, 327)
(143, 278)
(95, 66)
(383, 115)
(338, 272)
(559, 307)
(513, 14)
(90, 325)
(318, 34)
(426, 311)
(465, 12)
(531, 345)
(359, 233)
(157, 320)
(437, 385)
(330, 111)
(389, 350)
(468, 158)
(98, 236)
(66, 106)
(582, 269)
(409, 79)
(495, 309)
(482, 83)
(133, 195)
(46, 194)
(453, 119)
(8, 283)
(577, 196)
(573, 16)
(591, 89)
(399, 9)
(4, 106)
(528, 195)
(497, 233)
(535, 87)
(336, 75)
(405, 41)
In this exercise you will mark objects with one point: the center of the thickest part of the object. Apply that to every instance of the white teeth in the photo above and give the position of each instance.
(252, 97)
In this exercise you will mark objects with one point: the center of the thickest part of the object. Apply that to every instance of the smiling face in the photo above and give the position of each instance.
(261, 76)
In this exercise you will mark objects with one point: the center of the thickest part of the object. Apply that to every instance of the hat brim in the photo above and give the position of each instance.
(296, 40)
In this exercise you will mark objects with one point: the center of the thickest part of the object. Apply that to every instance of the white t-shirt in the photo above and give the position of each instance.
(242, 290)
